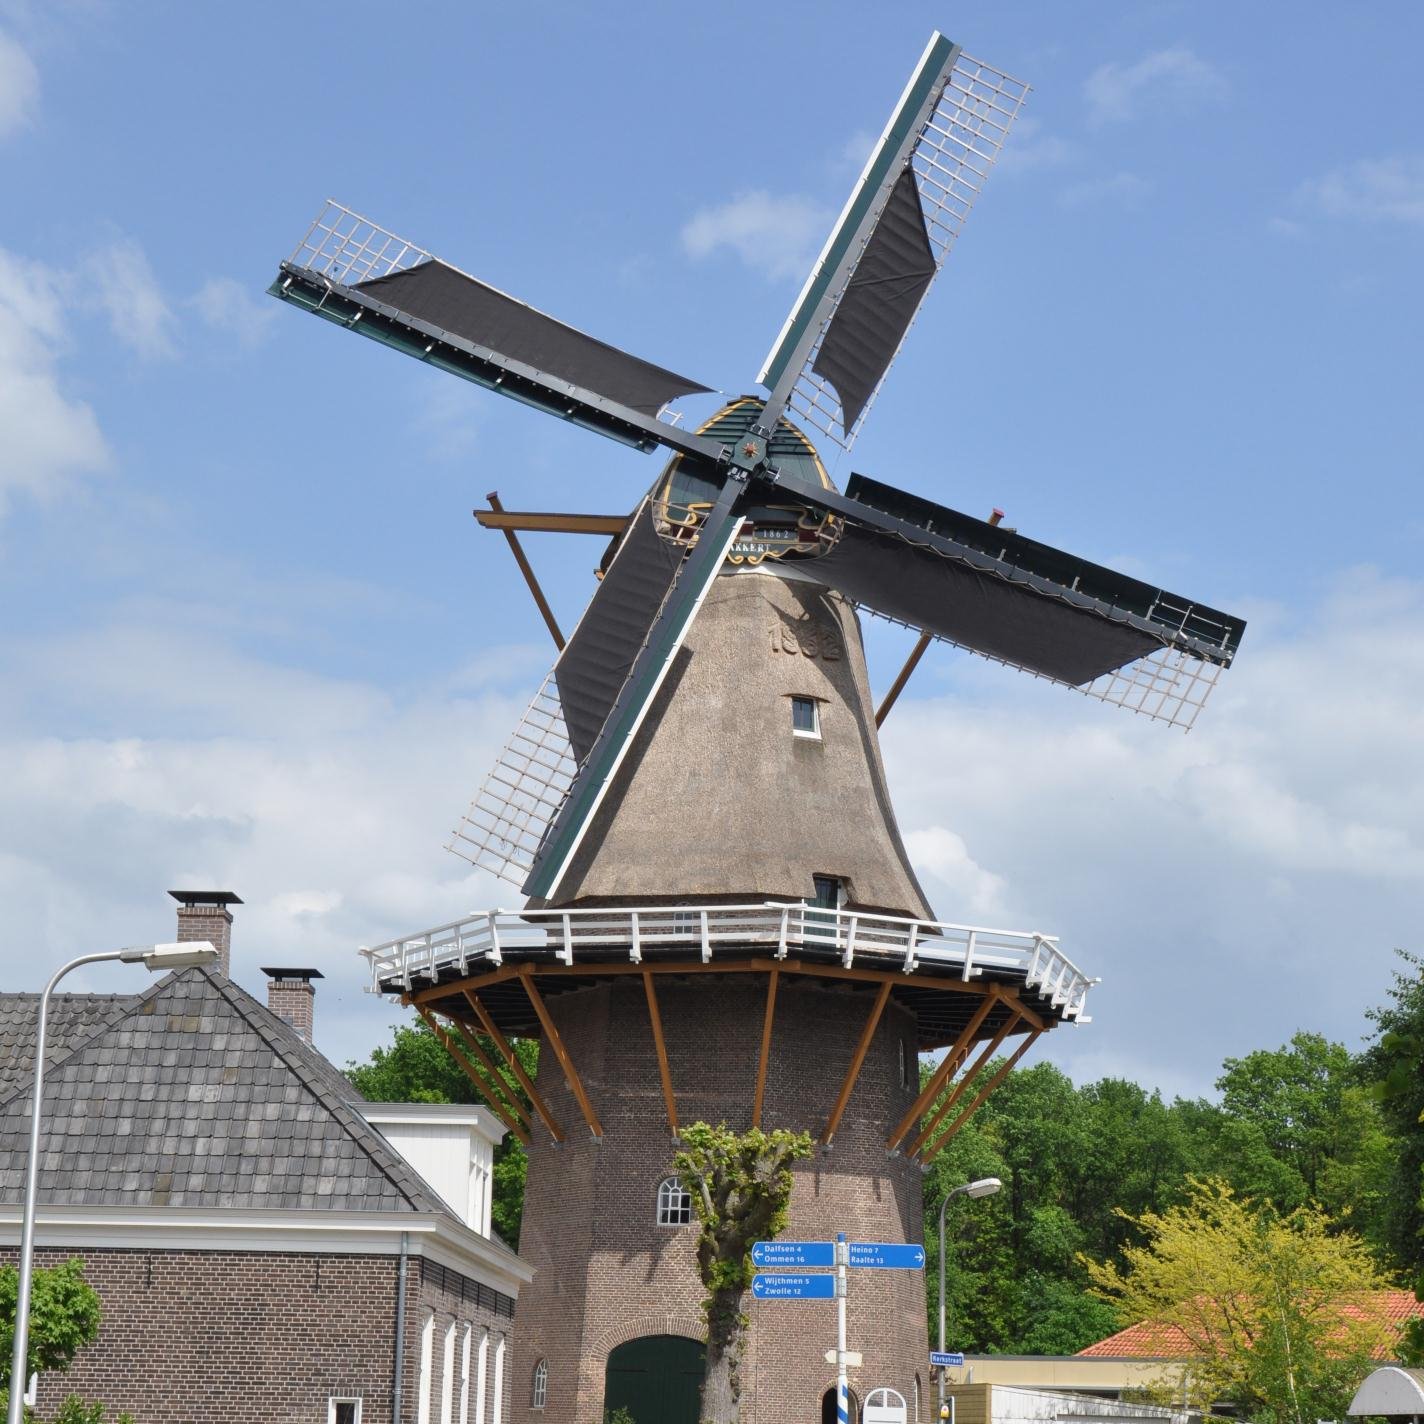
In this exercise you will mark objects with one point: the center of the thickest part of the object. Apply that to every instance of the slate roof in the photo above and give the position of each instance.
(72, 1019)
(191, 1095)
(1158, 1340)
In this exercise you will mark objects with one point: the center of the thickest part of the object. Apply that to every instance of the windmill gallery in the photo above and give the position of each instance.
(729, 965)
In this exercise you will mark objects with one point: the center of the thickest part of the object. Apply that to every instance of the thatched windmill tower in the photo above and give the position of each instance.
(721, 920)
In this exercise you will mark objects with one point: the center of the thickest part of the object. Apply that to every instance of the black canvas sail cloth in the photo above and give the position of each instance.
(594, 666)
(447, 298)
(983, 611)
(879, 302)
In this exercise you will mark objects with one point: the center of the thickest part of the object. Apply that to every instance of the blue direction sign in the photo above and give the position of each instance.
(887, 1255)
(792, 1287)
(779, 1254)
(946, 1357)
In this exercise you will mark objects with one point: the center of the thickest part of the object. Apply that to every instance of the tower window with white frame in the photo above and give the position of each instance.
(344, 1409)
(539, 1388)
(674, 1203)
(805, 717)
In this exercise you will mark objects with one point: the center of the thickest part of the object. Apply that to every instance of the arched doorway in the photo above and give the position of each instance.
(656, 1378)
(828, 1406)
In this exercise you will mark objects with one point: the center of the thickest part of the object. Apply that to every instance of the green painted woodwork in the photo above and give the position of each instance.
(885, 166)
(656, 1378)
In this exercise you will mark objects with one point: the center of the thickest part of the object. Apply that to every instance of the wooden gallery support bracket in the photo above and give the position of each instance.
(929, 1153)
(486, 1090)
(1018, 1018)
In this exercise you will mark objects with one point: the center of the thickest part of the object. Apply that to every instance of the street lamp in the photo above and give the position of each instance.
(984, 1187)
(156, 957)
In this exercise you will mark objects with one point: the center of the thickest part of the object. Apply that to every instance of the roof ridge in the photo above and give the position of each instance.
(397, 1171)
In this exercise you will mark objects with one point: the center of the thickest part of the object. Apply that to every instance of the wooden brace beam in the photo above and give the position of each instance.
(942, 1141)
(497, 517)
(898, 686)
(953, 1096)
(515, 1066)
(872, 1022)
(655, 1018)
(444, 991)
(496, 1106)
(765, 1046)
(571, 1077)
(517, 550)
(472, 1045)
(941, 1075)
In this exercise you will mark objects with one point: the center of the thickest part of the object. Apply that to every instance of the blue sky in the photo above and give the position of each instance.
(253, 637)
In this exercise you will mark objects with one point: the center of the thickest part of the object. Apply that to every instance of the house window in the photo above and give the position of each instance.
(482, 1378)
(539, 1394)
(805, 717)
(447, 1377)
(465, 1374)
(427, 1368)
(674, 1203)
(497, 1408)
(344, 1411)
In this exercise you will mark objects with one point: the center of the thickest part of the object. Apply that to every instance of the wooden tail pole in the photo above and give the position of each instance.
(898, 686)
(517, 549)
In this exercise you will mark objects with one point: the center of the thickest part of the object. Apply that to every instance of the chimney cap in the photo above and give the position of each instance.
(205, 897)
(307, 974)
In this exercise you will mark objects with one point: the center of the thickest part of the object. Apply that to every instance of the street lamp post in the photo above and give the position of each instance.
(984, 1187)
(159, 958)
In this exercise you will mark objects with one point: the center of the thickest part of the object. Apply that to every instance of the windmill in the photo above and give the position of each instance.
(668, 905)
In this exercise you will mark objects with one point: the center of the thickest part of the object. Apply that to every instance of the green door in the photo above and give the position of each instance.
(656, 1378)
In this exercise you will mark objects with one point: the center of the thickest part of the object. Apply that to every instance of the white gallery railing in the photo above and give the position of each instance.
(480, 941)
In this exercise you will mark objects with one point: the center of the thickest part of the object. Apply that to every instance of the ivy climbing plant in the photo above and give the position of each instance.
(740, 1185)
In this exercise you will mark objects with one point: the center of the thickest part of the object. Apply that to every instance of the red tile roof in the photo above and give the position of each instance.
(1157, 1340)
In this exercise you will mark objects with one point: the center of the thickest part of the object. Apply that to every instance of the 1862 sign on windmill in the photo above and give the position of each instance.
(686, 951)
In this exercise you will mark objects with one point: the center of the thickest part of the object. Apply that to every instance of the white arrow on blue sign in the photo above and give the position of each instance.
(791, 1287)
(777, 1254)
(887, 1255)
(946, 1357)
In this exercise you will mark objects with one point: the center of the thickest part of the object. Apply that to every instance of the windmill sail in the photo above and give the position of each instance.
(1023, 603)
(352, 272)
(897, 228)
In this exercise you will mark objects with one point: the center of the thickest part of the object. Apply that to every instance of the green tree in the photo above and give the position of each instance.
(740, 1185)
(64, 1317)
(1395, 1065)
(1272, 1311)
(416, 1068)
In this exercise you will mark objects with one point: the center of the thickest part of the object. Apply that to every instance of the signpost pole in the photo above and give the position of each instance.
(842, 1383)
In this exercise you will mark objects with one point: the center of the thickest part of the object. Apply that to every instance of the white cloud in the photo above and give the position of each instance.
(1174, 77)
(1231, 885)
(227, 306)
(1125, 188)
(943, 859)
(49, 438)
(1029, 147)
(19, 87)
(1373, 189)
(120, 281)
(777, 236)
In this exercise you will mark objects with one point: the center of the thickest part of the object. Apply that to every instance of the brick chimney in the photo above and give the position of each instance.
(204, 914)
(291, 995)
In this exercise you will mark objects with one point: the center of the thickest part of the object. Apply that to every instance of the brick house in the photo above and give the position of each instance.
(267, 1245)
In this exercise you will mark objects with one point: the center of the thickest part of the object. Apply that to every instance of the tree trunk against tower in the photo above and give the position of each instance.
(740, 1184)
(722, 1385)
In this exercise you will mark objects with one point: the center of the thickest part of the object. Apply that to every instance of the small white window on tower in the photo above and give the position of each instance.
(805, 717)
(674, 1203)
(539, 1394)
